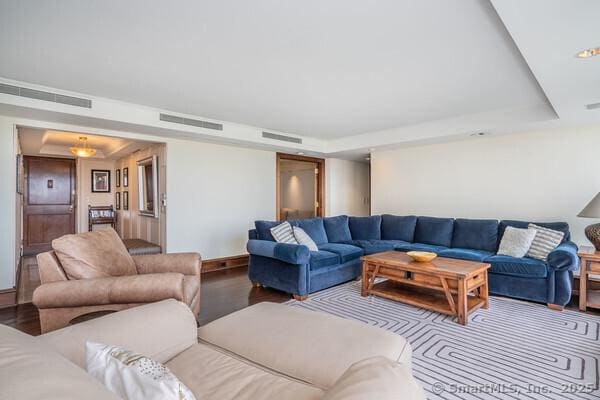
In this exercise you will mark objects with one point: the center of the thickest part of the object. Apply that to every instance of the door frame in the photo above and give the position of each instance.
(73, 195)
(320, 181)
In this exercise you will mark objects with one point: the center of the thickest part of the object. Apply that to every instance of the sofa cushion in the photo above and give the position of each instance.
(337, 228)
(466, 254)
(210, 373)
(365, 228)
(544, 242)
(346, 252)
(376, 378)
(478, 234)
(97, 254)
(321, 259)
(263, 229)
(436, 231)
(557, 226)
(523, 267)
(336, 343)
(313, 227)
(30, 369)
(303, 239)
(283, 233)
(395, 227)
(419, 247)
(372, 246)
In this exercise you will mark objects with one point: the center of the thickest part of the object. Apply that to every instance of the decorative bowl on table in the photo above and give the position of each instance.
(421, 256)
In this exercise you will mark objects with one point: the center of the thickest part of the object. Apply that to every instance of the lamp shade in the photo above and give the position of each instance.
(592, 210)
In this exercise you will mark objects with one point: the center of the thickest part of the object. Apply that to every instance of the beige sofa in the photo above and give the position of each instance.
(267, 351)
(93, 272)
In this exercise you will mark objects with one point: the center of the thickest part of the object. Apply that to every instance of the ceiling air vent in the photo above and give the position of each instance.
(192, 122)
(45, 96)
(283, 138)
(592, 106)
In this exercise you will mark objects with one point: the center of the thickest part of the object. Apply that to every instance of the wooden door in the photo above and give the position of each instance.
(48, 202)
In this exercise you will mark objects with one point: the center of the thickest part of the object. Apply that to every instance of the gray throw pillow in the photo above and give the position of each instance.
(303, 238)
(544, 242)
(516, 242)
(283, 233)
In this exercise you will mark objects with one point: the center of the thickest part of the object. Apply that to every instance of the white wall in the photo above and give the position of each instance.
(347, 187)
(543, 176)
(298, 190)
(85, 197)
(8, 231)
(214, 195)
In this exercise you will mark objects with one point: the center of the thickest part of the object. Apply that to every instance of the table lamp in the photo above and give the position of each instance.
(592, 210)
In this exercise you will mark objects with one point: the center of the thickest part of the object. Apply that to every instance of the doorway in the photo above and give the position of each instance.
(300, 187)
(48, 201)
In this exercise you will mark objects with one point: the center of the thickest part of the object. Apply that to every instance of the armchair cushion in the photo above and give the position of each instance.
(564, 257)
(289, 253)
(97, 254)
(112, 290)
(184, 263)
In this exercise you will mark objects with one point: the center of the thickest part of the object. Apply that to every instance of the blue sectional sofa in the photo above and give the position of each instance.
(342, 240)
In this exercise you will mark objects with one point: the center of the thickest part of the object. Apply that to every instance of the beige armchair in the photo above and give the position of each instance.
(92, 272)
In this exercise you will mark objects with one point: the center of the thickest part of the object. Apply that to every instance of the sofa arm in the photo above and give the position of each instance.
(183, 263)
(113, 290)
(286, 252)
(158, 330)
(564, 257)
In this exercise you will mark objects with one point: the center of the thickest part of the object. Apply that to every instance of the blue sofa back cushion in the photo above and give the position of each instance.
(557, 226)
(263, 229)
(337, 229)
(436, 231)
(365, 228)
(478, 234)
(313, 227)
(395, 227)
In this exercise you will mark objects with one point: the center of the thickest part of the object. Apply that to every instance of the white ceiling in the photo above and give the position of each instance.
(349, 73)
(42, 142)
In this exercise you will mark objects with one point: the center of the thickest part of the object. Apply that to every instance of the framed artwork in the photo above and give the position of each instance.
(19, 174)
(100, 181)
(118, 178)
(125, 200)
(118, 200)
(125, 177)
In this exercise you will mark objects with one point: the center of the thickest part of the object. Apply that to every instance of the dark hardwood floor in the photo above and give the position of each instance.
(222, 293)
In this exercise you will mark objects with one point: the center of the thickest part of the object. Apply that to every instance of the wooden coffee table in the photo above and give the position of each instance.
(446, 285)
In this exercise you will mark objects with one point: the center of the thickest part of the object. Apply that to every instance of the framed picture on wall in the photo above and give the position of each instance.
(117, 200)
(100, 181)
(125, 200)
(118, 177)
(125, 177)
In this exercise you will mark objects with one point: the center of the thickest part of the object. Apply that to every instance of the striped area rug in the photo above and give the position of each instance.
(513, 350)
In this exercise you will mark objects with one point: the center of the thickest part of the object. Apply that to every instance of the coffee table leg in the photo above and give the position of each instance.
(484, 292)
(365, 280)
(462, 302)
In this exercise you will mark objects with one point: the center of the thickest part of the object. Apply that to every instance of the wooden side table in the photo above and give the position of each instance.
(590, 264)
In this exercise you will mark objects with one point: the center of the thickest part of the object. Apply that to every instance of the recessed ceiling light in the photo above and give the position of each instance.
(478, 134)
(300, 153)
(589, 53)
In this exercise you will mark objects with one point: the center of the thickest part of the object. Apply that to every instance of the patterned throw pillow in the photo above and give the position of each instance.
(544, 242)
(303, 238)
(283, 233)
(133, 376)
(516, 242)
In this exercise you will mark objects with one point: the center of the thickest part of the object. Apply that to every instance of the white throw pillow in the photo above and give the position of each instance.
(516, 242)
(133, 376)
(303, 238)
(544, 242)
(283, 233)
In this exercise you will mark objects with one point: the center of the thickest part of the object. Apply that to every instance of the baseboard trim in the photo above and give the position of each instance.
(8, 297)
(223, 263)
